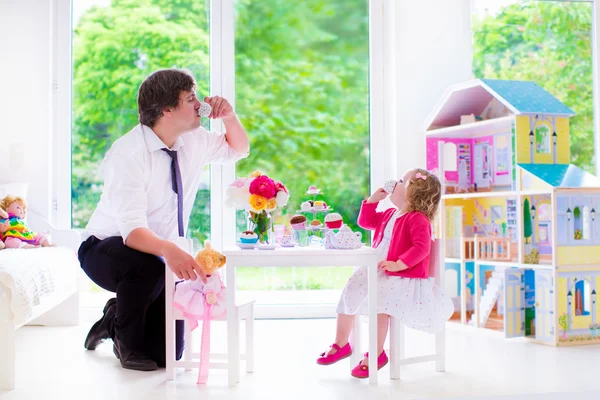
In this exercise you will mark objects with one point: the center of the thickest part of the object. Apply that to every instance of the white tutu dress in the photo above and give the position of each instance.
(418, 303)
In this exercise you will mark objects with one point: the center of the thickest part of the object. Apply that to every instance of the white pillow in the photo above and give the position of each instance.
(14, 189)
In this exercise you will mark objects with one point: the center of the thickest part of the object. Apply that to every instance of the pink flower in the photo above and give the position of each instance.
(263, 186)
(239, 183)
(280, 186)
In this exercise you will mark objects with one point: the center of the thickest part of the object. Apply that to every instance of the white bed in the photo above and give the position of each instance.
(37, 287)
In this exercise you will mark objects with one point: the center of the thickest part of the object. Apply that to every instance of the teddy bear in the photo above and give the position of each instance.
(203, 301)
(194, 297)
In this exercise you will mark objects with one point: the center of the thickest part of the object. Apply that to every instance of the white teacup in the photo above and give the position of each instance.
(287, 239)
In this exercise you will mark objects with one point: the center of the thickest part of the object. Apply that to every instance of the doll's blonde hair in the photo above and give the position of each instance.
(424, 195)
(8, 200)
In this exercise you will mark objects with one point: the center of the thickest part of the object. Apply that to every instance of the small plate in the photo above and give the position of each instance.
(245, 246)
(289, 245)
(267, 246)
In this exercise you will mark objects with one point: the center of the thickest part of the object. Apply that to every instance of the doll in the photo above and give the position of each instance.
(14, 231)
(203, 301)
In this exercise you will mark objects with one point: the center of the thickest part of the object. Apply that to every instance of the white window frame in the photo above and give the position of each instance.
(222, 82)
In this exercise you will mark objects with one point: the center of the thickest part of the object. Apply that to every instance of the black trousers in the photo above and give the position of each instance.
(138, 279)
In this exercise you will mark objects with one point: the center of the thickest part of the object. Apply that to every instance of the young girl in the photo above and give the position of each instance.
(405, 292)
(13, 229)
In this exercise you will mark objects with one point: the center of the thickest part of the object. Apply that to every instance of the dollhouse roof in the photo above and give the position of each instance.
(472, 97)
(562, 175)
(527, 97)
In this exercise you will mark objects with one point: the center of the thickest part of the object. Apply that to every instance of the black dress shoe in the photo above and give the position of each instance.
(100, 331)
(132, 359)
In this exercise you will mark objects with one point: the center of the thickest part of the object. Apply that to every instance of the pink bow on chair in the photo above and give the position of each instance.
(418, 175)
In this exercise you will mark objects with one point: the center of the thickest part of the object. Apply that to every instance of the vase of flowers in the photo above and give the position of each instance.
(260, 196)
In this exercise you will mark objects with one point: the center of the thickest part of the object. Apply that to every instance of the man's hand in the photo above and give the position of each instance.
(182, 263)
(392, 266)
(377, 196)
(220, 107)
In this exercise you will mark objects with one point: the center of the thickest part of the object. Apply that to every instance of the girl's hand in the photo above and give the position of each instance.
(377, 196)
(392, 266)
(3, 214)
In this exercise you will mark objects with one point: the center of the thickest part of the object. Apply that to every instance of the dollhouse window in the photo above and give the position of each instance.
(577, 224)
(582, 298)
(450, 157)
(542, 139)
(543, 212)
(586, 223)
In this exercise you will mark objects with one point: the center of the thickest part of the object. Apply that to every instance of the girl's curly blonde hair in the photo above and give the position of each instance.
(424, 195)
(8, 200)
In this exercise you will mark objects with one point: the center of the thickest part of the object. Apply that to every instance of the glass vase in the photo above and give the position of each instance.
(260, 223)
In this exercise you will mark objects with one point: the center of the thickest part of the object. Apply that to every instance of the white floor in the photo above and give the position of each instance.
(52, 364)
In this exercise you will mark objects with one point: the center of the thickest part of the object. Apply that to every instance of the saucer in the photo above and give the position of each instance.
(245, 246)
(267, 246)
(288, 245)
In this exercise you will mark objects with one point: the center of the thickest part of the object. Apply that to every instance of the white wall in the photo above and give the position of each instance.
(432, 51)
(429, 41)
(25, 92)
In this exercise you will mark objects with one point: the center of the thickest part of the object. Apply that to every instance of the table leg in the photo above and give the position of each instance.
(372, 295)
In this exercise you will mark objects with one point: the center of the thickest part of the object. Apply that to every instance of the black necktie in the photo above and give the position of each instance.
(177, 187)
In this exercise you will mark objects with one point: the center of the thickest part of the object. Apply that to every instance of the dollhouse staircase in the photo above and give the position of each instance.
(490, 296)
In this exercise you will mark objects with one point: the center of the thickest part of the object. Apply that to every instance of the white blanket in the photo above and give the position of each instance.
(31, 274)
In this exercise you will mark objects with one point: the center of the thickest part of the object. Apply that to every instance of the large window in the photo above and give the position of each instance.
(550, 43)
(302, 92)
(116, 44)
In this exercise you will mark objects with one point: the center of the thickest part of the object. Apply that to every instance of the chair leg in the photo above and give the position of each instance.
(187, 351)
(440, 351)
(396, 347)
(250, 341)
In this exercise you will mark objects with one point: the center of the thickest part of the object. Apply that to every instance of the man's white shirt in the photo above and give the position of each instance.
(137, 181)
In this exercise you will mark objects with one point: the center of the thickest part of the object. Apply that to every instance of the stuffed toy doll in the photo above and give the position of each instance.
(14, 231)
(203, 301)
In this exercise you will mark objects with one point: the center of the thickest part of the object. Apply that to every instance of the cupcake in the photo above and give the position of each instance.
(315, 224)
(298, 222)
(248, 237)
(319, 205)
(312, 189)
(333, 221)
(305, 206)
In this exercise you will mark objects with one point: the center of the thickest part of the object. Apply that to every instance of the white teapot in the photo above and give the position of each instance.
(344, 239)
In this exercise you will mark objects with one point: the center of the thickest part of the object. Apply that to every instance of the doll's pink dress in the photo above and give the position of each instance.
(190, 299)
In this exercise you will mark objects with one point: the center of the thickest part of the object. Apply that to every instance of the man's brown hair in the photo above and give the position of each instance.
(161, 90)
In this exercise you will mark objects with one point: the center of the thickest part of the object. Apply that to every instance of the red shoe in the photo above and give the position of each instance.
(362, 371)
(340, 354)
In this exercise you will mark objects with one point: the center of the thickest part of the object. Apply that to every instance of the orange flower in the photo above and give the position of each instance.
(271, 204)
(257, 202)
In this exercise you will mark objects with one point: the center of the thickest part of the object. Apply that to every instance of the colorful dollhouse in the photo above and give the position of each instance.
(522, 243)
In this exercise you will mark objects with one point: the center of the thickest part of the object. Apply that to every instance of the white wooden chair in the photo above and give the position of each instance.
(190, 358)
(397, 339)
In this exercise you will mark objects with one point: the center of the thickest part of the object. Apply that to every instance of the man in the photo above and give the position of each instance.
(151, 176)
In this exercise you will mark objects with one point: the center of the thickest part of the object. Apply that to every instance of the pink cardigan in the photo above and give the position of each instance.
(411, 238)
